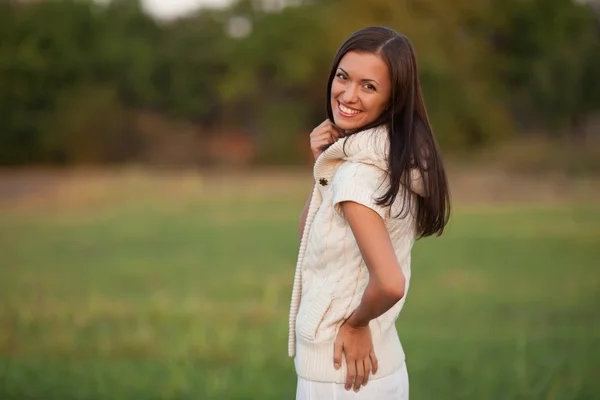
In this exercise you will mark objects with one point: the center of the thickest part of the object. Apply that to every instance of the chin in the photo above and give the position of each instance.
(349, 126)
(345, 125)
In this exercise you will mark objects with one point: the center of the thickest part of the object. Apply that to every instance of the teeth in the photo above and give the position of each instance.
(348, 110)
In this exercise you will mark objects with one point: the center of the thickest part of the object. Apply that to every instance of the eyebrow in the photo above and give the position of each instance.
(363, 80)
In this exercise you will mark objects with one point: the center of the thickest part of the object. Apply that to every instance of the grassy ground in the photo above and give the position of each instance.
(149, 288)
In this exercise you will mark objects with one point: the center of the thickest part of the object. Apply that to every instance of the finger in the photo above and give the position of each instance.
(374, 362)
(350, 373)
(323, 125)
(367, 362)
(337, 354)
(319, 129)
(336, 128)
(331, 126)
(321, 142)
(328, 127)
(360, 375)
(325, 135)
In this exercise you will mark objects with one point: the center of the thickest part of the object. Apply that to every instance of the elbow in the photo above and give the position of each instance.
(395, 294)
(394, 289)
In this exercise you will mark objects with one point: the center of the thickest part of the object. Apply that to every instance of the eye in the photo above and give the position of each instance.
(341, 75)
(370, 87)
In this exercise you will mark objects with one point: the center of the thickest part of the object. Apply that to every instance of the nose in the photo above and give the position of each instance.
(350, 95)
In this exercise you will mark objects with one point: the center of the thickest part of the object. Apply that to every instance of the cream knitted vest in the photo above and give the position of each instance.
(330, 273)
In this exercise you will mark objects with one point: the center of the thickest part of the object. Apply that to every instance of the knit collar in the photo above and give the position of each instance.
(370, 146)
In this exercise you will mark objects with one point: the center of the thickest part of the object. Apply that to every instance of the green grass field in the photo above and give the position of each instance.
(166, 294)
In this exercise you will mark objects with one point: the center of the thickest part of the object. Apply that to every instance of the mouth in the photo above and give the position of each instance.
(346, 111)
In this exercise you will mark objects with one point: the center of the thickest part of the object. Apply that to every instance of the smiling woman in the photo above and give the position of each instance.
(380, 185)
(360, 91)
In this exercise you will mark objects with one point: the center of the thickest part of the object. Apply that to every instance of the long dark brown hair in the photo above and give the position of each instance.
(412, 143)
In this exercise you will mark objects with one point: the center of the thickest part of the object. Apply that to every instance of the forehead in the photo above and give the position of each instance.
(365, 66)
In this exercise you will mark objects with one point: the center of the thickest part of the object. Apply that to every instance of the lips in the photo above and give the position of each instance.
(347, 111)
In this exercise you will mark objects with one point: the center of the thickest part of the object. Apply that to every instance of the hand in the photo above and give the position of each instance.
(322, 136)
(357, 345)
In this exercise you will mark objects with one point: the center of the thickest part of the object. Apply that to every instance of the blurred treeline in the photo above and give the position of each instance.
(90, 83)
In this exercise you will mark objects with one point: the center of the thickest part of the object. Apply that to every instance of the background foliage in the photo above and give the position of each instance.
(84, 82)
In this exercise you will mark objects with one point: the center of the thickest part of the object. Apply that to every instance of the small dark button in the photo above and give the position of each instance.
(323, 182)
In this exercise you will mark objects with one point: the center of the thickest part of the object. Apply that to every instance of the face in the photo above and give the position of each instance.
(360, 90)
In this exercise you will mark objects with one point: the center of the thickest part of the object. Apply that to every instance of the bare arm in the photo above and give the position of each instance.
(386, 280)
(385, 288)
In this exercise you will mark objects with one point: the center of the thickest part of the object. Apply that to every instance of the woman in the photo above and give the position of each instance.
(379, 186)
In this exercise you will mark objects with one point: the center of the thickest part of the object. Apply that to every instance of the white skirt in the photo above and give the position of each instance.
(391, 387)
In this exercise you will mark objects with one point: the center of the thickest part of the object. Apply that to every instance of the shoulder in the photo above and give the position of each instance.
(359, 183)
(369, 147)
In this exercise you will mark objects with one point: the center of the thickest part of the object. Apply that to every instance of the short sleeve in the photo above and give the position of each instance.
(360, 183)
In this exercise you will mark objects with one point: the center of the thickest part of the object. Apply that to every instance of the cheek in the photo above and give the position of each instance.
(377, 104)
(336, 90)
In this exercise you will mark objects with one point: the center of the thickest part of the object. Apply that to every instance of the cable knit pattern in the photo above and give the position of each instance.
(331, 275)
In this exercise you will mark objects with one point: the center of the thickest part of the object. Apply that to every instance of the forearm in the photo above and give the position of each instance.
(376, 300)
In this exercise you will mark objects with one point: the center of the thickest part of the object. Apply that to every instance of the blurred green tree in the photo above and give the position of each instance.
(488, 69)
(550, 61)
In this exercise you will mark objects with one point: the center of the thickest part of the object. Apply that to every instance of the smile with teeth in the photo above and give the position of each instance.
(347, 110)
